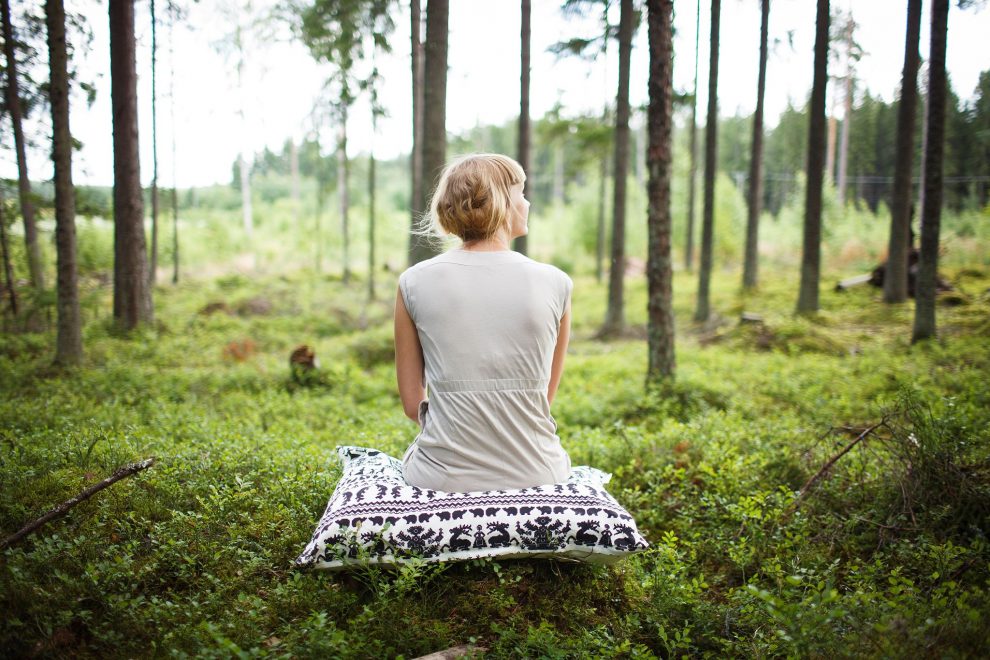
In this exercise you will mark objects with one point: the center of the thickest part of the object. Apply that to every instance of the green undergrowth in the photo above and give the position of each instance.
(883, 555)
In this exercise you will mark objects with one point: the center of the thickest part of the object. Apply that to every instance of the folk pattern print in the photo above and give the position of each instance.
(375, 517)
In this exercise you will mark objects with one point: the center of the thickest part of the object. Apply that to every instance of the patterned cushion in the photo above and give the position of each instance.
(374, 517)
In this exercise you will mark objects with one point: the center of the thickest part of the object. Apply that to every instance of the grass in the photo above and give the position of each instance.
(887, 555)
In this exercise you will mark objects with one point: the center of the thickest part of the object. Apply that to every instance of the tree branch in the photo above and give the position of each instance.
(825, 468)
(64, 507)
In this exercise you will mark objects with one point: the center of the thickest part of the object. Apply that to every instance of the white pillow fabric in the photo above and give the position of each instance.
(374, 517)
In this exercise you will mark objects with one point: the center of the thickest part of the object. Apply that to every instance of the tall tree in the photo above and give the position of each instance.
(417, 204)
(244, 170)
(434, 113)
(336, 32)
(693, 147)
(172, 12)
(659, 270)
(68, 343)
(812, 242)
(525, 131)
(13, 98)
(241, 47)
(703, 309)
(755, 193)
(372, 85)
(343, 196)
(153, 267)
(131, 294)
(931, 213)
(832, 137)
(8, 270)
(852, 54)
(371, 212)
(895, 280)
(615, 313)
(600, 232)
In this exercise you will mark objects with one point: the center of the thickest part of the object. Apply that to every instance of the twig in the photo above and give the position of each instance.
(64, 507)
(825, 468)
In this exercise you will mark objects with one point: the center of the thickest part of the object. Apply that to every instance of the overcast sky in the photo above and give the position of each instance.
(282, 80)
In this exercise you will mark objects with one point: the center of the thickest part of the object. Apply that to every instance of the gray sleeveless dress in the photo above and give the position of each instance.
(488, 325)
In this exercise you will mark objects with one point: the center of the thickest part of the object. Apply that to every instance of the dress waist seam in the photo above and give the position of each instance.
(489, 385)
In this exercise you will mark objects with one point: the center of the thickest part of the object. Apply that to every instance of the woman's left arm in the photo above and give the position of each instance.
(559, 351)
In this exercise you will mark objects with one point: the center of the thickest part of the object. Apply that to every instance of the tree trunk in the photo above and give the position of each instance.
(693, 147)
(558, 173)
(171, 111)
(926, 108)
(600, 233)
(521, 244)
(68, 343)
(844, 141)
(434, 113)
(247, 210)
(32, 248)
(153, 268)
(294, 175)
(615, 314)
(811, 251)
(318, 219)
(417, 200)
(371, 223)
(895, 279)
(318, 229)
(132, 297)
(8, 271)
(924, 290)
(175, 232)
(832, 140)
(343, 198)
(751, 261)
(659, 270)
(703, 310)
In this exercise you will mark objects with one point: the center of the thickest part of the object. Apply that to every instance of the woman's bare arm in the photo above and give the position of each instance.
(559, 351)
(408, 361)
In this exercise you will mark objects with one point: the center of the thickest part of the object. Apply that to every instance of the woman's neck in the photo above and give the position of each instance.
(493, 244)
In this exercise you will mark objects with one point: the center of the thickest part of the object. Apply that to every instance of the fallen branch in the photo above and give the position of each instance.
(64, 507)
(828, 465)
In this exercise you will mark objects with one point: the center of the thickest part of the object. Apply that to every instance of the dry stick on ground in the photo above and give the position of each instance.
(64, 507)
(825, 468)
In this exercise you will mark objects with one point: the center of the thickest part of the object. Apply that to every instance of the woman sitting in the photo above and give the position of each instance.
(484, 330)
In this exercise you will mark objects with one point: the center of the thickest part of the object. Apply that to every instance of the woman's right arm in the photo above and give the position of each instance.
(408, 361)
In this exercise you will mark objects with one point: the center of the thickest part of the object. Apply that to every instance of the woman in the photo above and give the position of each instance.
(486, 330)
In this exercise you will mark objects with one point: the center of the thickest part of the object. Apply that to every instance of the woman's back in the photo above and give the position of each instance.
(488, 324)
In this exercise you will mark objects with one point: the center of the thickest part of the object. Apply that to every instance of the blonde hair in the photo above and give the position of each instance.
(472, 198)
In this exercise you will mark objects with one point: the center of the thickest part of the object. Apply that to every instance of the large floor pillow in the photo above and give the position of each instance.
(374, 517)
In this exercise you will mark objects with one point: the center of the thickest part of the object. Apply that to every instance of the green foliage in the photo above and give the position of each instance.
(885, 554)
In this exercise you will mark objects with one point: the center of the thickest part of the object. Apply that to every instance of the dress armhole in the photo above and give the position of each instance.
(568, 289)
(406, 295)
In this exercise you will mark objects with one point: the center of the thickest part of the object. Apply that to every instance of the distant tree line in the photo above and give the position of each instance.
(566, 149)
(873, 132)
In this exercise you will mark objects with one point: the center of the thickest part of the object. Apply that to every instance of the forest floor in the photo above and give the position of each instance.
(886, 555)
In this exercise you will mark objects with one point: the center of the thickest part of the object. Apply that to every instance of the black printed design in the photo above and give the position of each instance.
(373, 516)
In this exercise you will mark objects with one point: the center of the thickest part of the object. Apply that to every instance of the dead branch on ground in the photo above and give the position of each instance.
(64, 507)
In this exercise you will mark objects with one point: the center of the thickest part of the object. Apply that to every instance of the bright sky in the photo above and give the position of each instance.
(282, 80)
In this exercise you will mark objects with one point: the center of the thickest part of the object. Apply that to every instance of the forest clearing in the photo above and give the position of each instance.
(884, 555)
(778, 328)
